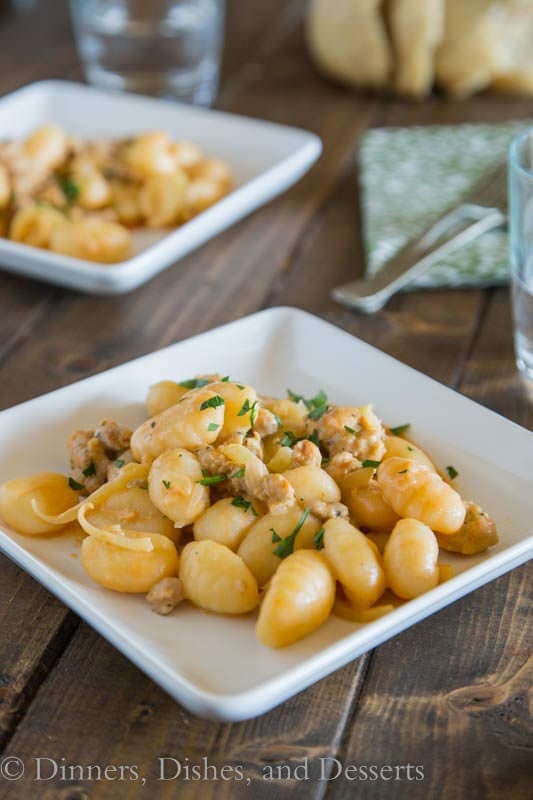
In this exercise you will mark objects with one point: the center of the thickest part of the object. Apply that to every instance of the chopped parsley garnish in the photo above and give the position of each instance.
(289, 439)
(325, 462)
(277, 418)
(403, 471)
(240, 386)
(296, 398)
(75, 485)
(213, 402)
(318, 539)
(411, 449)
(246, 407)
(253, 413)
(314, 438)
(286, 546)
(213, 426)
(399, 429)
(70, 189)
(194, 383)
(318, 405)
(369, 463)
(240, 502)
(90, 470)
(166, 484)
(452, 472)
(209, 480)
(119, 463)
(239, 473)
(275, 536)
(225, 379)
(350, 430)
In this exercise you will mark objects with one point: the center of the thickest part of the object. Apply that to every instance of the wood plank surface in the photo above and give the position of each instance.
(448, 694)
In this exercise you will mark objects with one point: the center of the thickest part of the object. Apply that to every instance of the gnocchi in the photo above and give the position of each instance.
(413, 490)
(410, 559)
(354, 562)
(227, 521)
(215, 578)
(124, 570)
(175, 488)
(49, 491)
(298, 600)
(259, 546)
(223, 496)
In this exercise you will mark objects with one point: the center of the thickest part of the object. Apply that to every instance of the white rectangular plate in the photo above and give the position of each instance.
(266, 159)
(214, 665)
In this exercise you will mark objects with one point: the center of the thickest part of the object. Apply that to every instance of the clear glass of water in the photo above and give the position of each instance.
(168, 48)
(521, 230)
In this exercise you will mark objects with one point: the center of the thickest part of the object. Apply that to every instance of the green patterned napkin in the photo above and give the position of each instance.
(412, 175)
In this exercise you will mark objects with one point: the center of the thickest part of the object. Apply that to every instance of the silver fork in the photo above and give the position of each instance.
(482, 210)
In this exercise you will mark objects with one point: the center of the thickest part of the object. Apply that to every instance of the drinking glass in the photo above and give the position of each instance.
(170, 48)
(521, 234)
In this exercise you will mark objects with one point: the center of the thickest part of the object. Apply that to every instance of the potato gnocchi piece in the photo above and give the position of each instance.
(266, 534)
(150, 154)
(281, 460)
(412, 490)
(163, 395)
(292, 415)
(227, 521)
(311, 484)
(194, 422)
(34, 225)
(47, 147)
(125, 201)
(367, 506)
(130, 571)
(161, 199)
(49, 490)
(298, 600)
(355, 562)
(216, 579)
(410, 559)
(396, 447)
(94, 191)
(240, 407)
(173, 484)
(93, 239)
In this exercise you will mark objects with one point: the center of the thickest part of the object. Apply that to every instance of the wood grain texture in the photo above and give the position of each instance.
(449, 693)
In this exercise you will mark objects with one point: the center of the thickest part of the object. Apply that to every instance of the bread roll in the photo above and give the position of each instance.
(348, 41)
(416, 29)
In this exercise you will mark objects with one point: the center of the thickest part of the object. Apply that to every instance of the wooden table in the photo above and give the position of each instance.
(449, 694)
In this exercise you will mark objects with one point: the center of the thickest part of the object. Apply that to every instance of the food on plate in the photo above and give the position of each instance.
(82, 197)
(230, 500)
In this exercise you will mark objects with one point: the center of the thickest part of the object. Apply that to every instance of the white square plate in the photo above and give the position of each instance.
(266, 159)
(214, 665)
